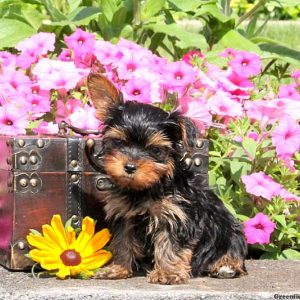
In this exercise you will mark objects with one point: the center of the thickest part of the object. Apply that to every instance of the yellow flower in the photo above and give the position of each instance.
(58, 249)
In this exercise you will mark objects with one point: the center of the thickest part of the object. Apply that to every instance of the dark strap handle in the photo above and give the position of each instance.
(64, 126)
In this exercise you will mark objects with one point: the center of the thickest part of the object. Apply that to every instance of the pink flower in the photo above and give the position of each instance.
(64, 110)
(37, 104)
(191, 56)
(137, 89)
(46, 128)
(261, 185)
(259, 229)
(81, 42)
(54, 74)
(130, 63)
(288, 91)
(221, 105)
(14, 83)
(105, 52)
(12, 120)
(267, 112)
(41, 42)
(286, 137)
(228, 52)
(245, 64)
(34, 47)
(253, 135)
(7, 59)
(178, 75)
(65, 55)
(84, 118)
(197, 110)
(287, 196)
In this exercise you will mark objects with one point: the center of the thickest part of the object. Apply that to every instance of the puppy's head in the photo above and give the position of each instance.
(140, 141)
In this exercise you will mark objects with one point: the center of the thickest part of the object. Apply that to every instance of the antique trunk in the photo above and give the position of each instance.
(43, 176)
(40, 177)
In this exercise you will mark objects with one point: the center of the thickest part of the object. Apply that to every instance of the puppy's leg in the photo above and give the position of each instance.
(228, 267)
(172, 264)
(125, 249)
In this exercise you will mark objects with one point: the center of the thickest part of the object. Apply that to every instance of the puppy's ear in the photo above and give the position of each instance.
(185, 129)
(104, 95)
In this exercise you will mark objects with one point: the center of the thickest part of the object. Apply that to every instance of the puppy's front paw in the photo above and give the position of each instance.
(113, 272)
(163, 277)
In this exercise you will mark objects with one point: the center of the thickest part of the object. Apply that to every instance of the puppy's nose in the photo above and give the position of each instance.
(130, 168)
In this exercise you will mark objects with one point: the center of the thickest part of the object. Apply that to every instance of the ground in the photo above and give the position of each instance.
(267, 279)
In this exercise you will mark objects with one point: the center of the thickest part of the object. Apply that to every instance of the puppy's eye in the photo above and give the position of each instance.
(117, 142)
(156, 151)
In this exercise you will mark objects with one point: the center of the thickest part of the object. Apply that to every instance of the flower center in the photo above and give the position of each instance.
(136, 92)
(245, 62)
(80, 41)
(259, 226)
(178, 75)
(8, 122)
(131, 67)
(70, 258)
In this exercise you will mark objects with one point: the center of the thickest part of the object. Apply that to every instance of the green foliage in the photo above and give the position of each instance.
(157, 24)
(229, 160)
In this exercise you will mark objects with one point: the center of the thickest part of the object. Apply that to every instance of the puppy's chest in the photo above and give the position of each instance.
(153, 214)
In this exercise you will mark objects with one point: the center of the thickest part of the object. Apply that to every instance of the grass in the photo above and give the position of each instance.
(285, 32)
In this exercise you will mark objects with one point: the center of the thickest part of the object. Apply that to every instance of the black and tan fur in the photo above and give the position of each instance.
(160, 218)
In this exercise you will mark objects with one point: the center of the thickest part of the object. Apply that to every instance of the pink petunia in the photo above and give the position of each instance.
(197, 110)
(264, 111)
(60, 75)
(12, 120)
(137, 89)
(65, 109)
(105, 52)
(261, 185)
(34, 47)
(286, 137)
(37, 104)
(289, 91)
(46, 128)
(178, 75)
(191, 56)
(245, 64)
(66, 55)
(221, 105)
(7, 59)
(258, 229)
(288, 196)
(84, 118)
(80, 42)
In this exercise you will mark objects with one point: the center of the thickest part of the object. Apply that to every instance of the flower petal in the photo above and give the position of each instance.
(88, 230)
(43, 243)
(97, 260)
(63, 272)
(59, 230)
(97, 242)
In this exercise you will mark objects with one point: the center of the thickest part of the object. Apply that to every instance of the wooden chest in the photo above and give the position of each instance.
(40, 177)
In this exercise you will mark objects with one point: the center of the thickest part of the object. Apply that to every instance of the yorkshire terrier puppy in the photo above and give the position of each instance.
(160, 217)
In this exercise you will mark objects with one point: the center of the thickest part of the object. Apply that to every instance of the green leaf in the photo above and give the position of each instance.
(185, 5)
(239, 169)
(109, 8)
(13, 31)
(35, 232)
(289, 254)
(119, 17)
(83, 13)
(270, 255)
(185, 38)
(150, 8)
(250, 146)
(73, 4)
(281, 220)
(233, 39)
(288, 55)
(33, 17)
(55, 14)
(214, 11)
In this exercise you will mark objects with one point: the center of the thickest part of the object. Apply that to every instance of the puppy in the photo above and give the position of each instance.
(161, 218)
